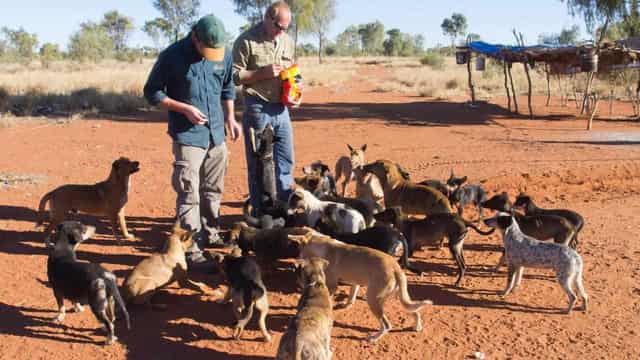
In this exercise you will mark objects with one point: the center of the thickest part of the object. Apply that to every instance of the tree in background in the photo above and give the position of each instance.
(158, 30)
(301, 11)
(474, 37)
(252, 10)
(454, 27)
(372, 37)
(20, 45)
(394, 42)
(179, 15)
(567, 36)
(349, 42)
(119, 28)
(48, 53)
(597, 14)
(324, 11)
(631, 21)
(90, 43)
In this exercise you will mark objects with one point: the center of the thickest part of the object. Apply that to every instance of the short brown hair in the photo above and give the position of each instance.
(275, 8)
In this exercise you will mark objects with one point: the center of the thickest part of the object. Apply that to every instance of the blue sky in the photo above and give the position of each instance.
(55, 20)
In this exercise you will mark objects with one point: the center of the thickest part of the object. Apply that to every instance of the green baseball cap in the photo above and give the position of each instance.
(210, 32)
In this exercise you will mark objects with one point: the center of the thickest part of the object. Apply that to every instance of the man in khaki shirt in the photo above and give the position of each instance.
(259, 55)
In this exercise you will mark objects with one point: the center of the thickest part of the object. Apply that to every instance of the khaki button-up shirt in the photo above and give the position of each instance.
(252, 51)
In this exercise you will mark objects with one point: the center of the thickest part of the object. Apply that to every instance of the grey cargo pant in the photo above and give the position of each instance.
(198, 179)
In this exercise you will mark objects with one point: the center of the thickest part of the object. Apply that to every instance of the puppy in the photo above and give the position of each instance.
(342, 218)
(431, 231)
(308, 335)
(525, 251)
(106, 198)
(362, 266)
(82, 282)
(467, 194)
(246, 291)
(412, 198)
(161, 269)
(524, 201)
(346, 164)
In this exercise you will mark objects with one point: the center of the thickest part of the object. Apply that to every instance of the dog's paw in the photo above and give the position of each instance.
(130, 236)
(267, 338)
(78, 307)
(110, 340)
(59, 319)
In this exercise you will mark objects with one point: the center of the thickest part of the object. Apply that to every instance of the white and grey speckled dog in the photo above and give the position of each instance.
(524, 251)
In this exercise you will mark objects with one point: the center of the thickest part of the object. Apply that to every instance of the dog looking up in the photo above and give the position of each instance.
(246, 291)
(369, 190)
(461, 195)
(162, 269)
(342, 218)
(327, 184)
(106, 198)
(308, 335)
(524, 251)
(525, 202)
(82, 282)
(346, 164)
(412, 198)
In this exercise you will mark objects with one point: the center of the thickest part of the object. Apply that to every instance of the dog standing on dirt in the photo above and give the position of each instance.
(161, 269)
(362, 266)
(346, 164)
(461, 195)
(246, 291)
(340, 217)
(308, 335)
(106, 198)
(82, 282)
(524, 251)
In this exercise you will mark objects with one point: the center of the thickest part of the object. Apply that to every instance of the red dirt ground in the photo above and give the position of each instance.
(553, 158)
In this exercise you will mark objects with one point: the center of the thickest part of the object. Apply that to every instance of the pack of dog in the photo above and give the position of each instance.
(82, 282)
(106, 198)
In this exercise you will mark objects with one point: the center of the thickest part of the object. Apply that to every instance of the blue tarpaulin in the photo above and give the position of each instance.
(494, 50)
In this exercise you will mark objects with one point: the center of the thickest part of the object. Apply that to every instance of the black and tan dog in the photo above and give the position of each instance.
(106, 198)
(461, 195)
(412, 198)
(308, 335)
(431, 231)
(82, 282)
(524, 201)
(246, 291)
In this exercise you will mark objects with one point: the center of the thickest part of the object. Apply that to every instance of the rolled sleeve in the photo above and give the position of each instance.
(228, 86)
(154, 88)
(240, 56)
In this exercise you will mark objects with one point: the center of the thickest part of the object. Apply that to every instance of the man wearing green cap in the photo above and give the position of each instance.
(193, 80)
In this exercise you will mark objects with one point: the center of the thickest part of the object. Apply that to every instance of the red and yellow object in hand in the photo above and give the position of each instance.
(291, 86)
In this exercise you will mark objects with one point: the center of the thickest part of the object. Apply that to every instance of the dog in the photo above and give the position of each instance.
(541, 227)
(525, 251)
(308, 335)
(438, 185)
(327, 183)
(106, 198)
(340, 217)
(162, 269)
(82, 282)
(345, 165)
(369, 190)
(412, 198)
(461, 195)
(246, 291)
(431, 231)
(524, 201)
(362, 266)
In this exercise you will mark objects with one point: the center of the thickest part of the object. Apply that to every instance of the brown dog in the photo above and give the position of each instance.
(106, 198)
(410, 197)
(161, 269)
(362, 266)
(346, 164)
(308, 335)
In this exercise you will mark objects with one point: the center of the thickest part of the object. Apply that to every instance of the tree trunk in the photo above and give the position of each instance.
(513, 89)
(471, 87)
(506, 84)
(320, 49)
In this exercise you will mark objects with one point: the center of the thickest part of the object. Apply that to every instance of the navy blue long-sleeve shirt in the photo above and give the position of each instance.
(182, 74)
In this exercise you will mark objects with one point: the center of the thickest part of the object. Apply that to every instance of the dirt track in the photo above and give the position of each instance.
(596, 173)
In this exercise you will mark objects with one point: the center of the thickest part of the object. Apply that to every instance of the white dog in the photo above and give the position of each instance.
(339, 217)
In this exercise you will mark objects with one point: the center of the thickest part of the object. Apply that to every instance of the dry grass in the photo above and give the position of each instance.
(333, 70)
(13, 180)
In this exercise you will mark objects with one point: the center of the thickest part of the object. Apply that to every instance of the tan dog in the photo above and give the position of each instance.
(346, 164)
(308, 335)
(106, 198)
(161, 269)
(362, 266)
(369, 190)
(410, 197)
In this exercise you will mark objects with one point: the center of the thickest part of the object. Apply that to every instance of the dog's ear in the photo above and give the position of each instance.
(307, 170)
(463, 180)
(364, 148)
(350, 148)
(88, 231)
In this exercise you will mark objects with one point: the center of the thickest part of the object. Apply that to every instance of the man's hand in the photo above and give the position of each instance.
(271, 71)
(234, 129)
(194, 115)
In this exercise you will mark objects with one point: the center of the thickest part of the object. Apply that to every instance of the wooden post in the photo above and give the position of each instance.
(593, 112)
(471, 87)
(526, 71)
(611, 93)
(506, 84)
(513, 89)
(587, 91)
(547, 72)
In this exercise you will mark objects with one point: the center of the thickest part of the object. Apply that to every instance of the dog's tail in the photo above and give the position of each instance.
(112, 287)
(41, 208)
(253, 292)
(468, 224)
(405, 299)
(404, 259)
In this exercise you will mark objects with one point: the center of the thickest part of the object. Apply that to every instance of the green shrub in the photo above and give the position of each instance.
(433, 59)
(451, 84)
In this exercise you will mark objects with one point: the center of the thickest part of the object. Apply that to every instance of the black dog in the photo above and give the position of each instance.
(467, 194)
(525, 202)
(438, 185)
(327, 185)
(82, 282)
